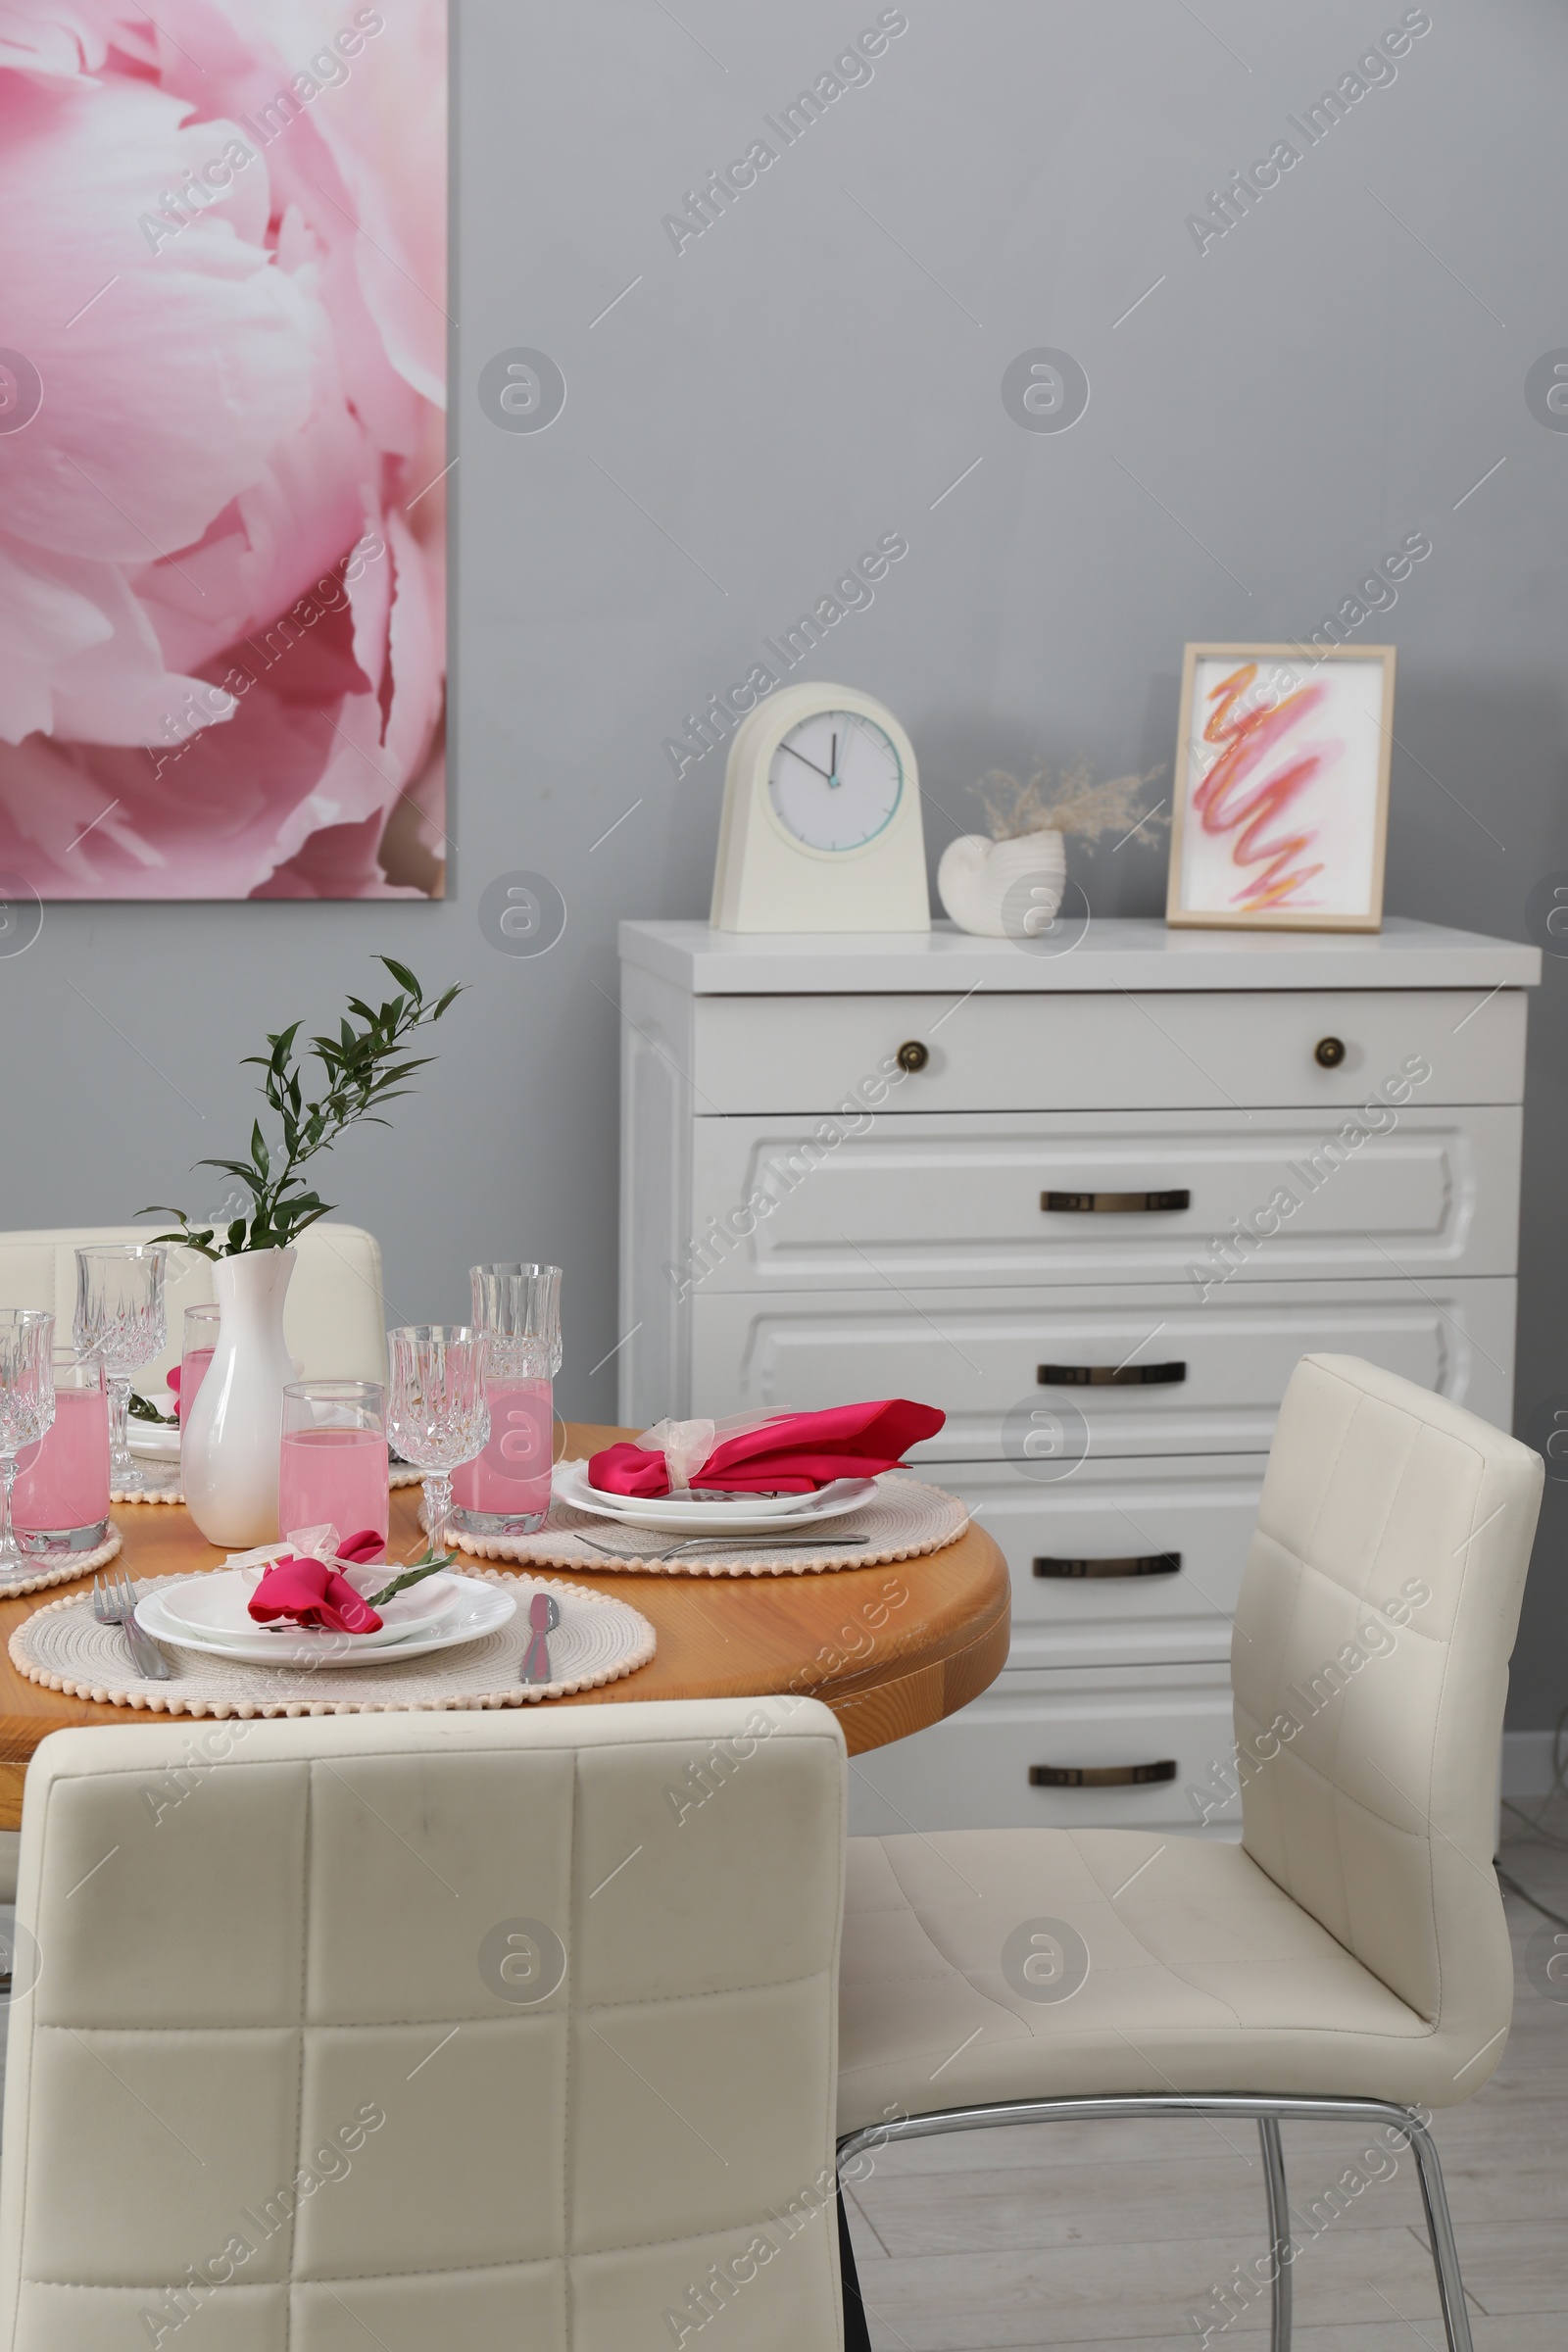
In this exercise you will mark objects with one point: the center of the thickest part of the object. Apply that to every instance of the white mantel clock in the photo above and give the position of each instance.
(821, 825)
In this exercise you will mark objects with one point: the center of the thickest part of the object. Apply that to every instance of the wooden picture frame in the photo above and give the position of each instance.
(1331, 761)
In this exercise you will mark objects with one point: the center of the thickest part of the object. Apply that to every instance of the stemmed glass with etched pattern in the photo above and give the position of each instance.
(120, 1319)
(437, 1413)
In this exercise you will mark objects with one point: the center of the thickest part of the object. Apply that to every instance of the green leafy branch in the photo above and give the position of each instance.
(142, 1408)
(422, 1567)
(366, 1070)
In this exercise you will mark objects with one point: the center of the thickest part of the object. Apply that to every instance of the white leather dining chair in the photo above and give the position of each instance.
(1350, 1957)
(334, 1320)
(480, 2029)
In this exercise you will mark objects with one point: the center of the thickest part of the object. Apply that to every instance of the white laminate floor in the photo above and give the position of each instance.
(1107, 2235)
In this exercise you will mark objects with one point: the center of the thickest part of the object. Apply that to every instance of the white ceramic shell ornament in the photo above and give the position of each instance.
(1003, 889)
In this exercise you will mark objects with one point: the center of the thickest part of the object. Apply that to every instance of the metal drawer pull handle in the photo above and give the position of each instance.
(1108, 1376)
(1101, 1776)
(1154, 1563)
(1115, 1205)
(1329, 1052)
(911, 1056)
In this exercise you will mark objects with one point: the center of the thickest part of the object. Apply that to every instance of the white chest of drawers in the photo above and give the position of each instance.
(1094, 1206)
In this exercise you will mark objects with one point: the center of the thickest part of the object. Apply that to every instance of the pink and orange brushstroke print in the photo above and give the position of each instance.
(1250, 741)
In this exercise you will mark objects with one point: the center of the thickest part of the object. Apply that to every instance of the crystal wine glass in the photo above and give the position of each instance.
(437, 1414)
(119, 1317)
(26, 1413)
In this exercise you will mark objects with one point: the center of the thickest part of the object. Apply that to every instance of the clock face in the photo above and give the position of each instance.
(835, 781)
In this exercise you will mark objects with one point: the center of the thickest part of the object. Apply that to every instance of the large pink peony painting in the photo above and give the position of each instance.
(223, 338)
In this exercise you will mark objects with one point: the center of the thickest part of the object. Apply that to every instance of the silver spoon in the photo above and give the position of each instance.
(544, 1615)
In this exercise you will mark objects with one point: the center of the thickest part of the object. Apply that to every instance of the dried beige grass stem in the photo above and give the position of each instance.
(1071, 802)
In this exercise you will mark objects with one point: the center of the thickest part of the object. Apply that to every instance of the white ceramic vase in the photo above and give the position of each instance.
(228, 1448)
(1003, 889)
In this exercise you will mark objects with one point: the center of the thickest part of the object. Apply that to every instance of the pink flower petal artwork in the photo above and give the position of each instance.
(222, 608)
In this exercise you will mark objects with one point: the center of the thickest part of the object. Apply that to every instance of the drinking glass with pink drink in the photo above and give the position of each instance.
(200, 1339)
(61, 1501)
(333, 1459)
(506, 1488)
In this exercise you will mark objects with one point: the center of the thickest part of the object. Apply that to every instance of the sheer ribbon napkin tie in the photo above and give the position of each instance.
(302, 1580)
(792, 1453)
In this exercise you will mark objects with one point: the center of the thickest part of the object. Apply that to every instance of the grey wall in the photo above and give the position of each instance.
(1333, 373)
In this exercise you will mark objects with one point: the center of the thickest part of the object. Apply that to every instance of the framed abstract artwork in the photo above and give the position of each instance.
(1280, 806)
(223, 449)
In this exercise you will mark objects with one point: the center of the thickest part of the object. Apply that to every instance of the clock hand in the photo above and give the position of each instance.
(833, 762)
(811, 763)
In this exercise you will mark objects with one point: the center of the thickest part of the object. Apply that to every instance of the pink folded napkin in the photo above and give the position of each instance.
(171, 1379)
(792, 1453)
(312, 1592)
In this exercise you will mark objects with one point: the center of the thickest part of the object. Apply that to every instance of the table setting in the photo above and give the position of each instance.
(490, 1640)
(292, 1479)
(317, 1621)
(736, 1498)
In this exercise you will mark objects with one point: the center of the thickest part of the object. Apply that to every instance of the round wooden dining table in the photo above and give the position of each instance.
(890, 1649)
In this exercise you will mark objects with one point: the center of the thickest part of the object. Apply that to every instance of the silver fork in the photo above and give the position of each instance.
(114, 1602)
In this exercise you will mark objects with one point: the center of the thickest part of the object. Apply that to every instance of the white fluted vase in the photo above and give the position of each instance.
(228, 1449)
(1003, 889)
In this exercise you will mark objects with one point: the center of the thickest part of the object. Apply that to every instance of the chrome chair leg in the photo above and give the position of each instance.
(856, 2334)
(1267, 2112)
(1445, 2252)
(1279, 2231)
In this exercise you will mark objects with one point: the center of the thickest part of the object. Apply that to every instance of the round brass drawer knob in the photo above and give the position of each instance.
(1329, 1052)
(911, 1056)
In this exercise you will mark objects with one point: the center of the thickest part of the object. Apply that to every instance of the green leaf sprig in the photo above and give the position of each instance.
(366, 1067)
(411, 1576)
(142, 1408)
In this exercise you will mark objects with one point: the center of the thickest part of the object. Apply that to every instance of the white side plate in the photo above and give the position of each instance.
(150, 1442)
(743, 1516)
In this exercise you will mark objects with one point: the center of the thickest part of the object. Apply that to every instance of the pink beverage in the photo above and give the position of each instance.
(192, 1372)
(511, 1479)
(334, 1474)
(63, 1492)
(198, 1341)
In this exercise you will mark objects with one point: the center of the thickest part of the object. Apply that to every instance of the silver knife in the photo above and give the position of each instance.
(762, 1544)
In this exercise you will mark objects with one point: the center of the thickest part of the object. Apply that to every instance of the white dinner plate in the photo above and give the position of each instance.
(739, 1515)
(481, 1608)
(150, 1442)
(218, 1606)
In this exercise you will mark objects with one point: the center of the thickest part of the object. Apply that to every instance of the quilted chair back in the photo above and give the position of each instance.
(1370, 1666)
(477, 2030)
(334, 1320)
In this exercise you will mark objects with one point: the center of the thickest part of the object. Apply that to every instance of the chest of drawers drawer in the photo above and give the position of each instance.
(1140, 1370)
(1286, 1049)
(1144, 1749)
(1069, 1196)
(1124, 1560)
